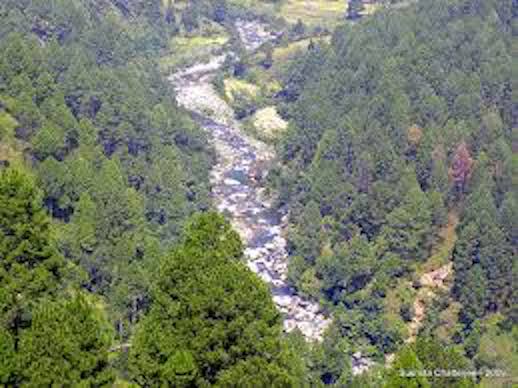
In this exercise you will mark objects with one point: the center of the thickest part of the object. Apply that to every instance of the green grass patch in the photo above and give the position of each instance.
(325, 13)
(236, 86)
(10, 147)
(257, 7)
(188, 49)
(498, 350)
(290, 51)
(190, 43)
(268, 123)
(396, 297)
(442, 252)
(285, 54)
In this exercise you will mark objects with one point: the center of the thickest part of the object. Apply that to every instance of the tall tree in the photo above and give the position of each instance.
(30, 266)
(45, 340)
(212, 321)
(461, 167)
(306, 237)
(482, 256)
(408, 225)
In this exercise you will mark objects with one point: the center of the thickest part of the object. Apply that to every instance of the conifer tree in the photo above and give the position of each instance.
(408, 225)
(67, 344)
(30, 266)
(44, 338)
(211, 321)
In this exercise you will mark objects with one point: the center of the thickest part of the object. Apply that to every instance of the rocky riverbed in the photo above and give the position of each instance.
(238, 191)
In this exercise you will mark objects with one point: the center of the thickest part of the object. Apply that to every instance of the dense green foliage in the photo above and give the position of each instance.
(45, 339)
(66, 344)
(401, 121)
(212, 322)
(121, 167)
(403, 117)
(31, 267)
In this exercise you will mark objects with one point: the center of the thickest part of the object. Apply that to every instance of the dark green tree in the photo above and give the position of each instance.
(30, 266)
(349, 270)
(306, 237)
(50, 140)
(7, 357)
(482, 255)
(67, 344)
(211, 321)
(408, 225)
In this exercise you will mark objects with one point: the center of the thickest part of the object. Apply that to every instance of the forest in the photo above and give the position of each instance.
(394, 164)
(398, 127)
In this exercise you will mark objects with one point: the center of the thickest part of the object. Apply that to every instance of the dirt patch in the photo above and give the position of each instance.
(434, 279)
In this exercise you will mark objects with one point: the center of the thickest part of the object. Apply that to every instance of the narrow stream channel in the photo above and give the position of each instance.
(238, 193)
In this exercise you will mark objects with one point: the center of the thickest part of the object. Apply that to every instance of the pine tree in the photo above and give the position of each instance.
(257, 372)
(166, 193)
(509, 216)
(169, 13)
(7, 357)
(67, 345)
(408, 225)
(306, 237)
(475, 297)
(497, 261)
(44, 338)
(212, 321)
(30, 265)
(50, 140)
(84, 220)
(467, 248)
(482, 256)
(350, 269)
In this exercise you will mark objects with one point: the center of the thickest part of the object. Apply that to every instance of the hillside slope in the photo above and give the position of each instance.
(404, 116)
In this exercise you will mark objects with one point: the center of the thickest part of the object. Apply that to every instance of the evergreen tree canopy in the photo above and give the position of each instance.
(398, 124)
(67, 345)
(211, 320)
(30, 266)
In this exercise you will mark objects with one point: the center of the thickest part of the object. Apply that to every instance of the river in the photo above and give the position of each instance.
(238, 191)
